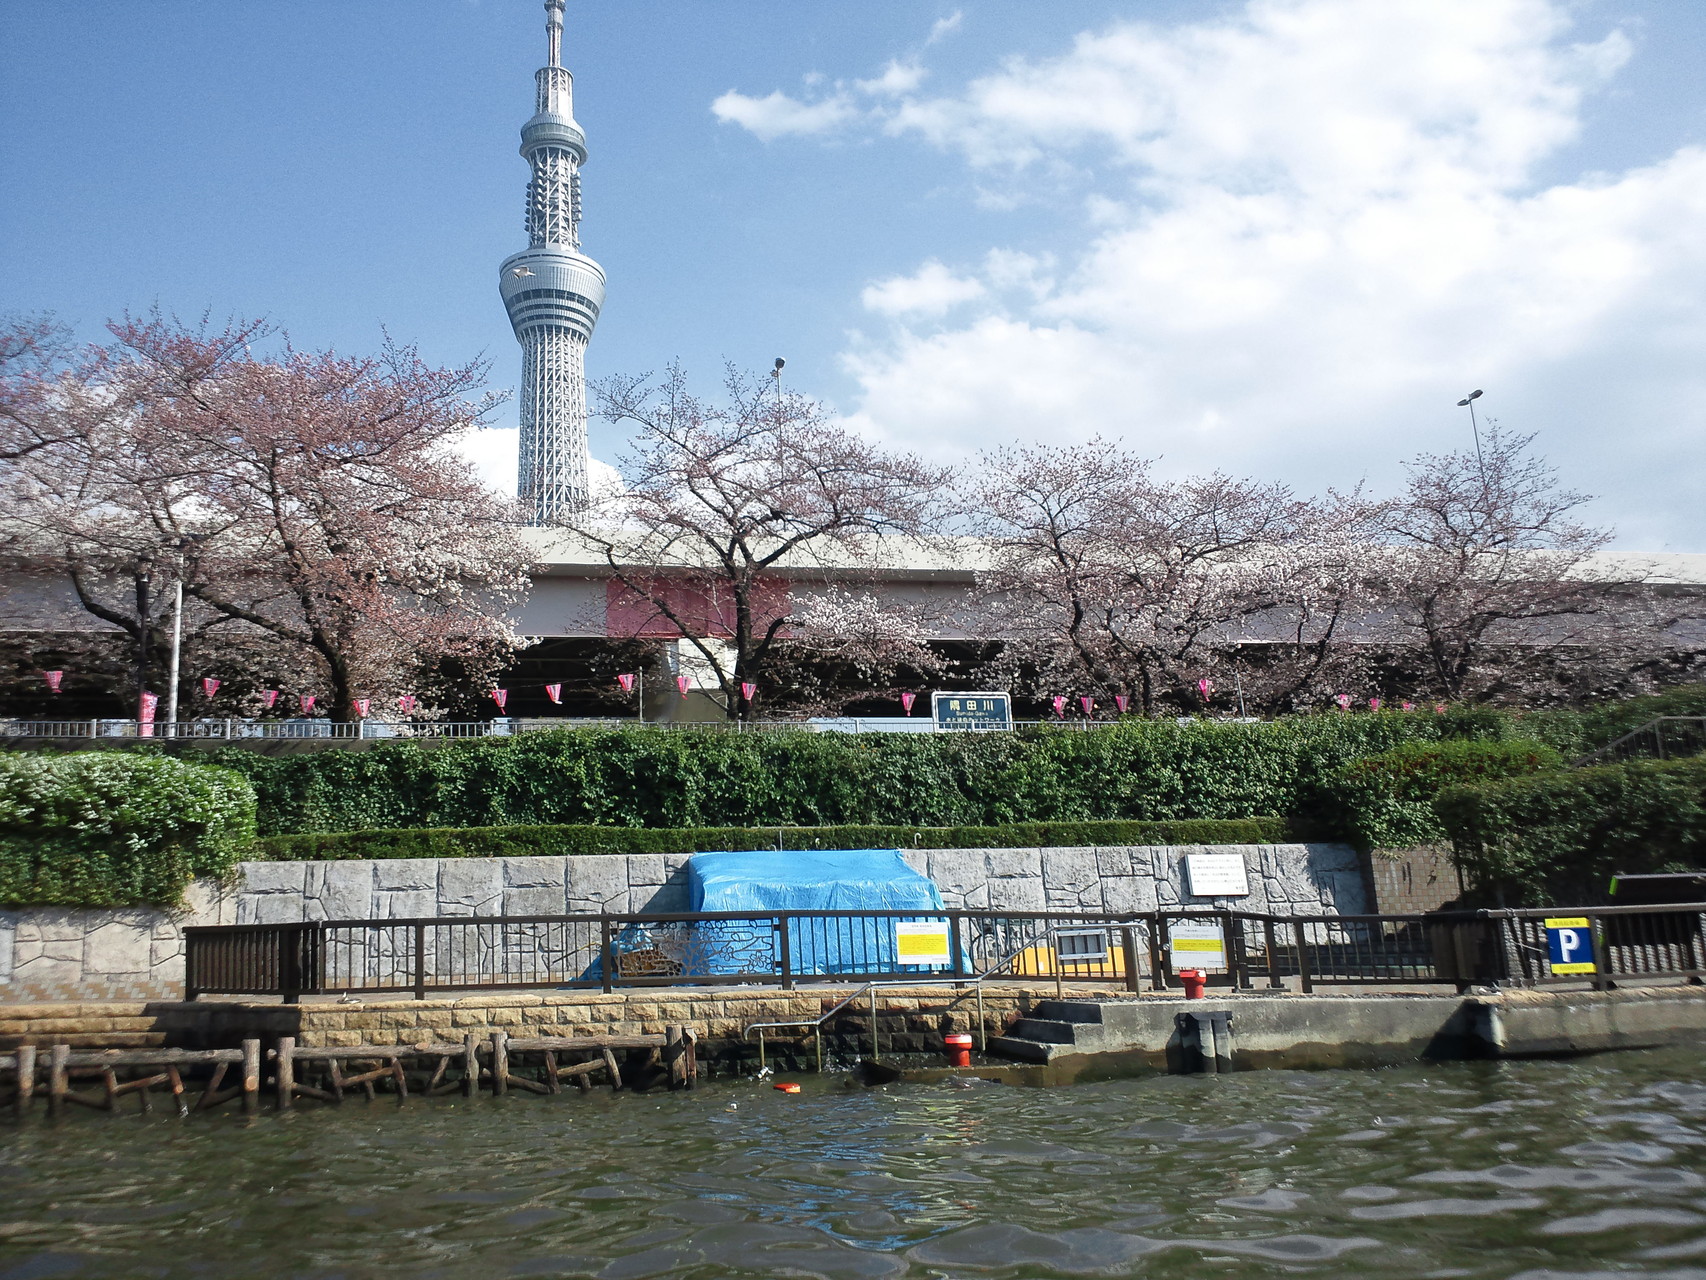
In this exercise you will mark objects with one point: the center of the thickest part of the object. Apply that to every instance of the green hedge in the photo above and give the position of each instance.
(510, 842)
(1385, 801)
(1141, 771)
(1559, 838)
(112, 829)
(1579, 730)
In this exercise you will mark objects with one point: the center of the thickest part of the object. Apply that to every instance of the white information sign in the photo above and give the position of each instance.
(922, 942)
(1197, 946)
(1217, 875)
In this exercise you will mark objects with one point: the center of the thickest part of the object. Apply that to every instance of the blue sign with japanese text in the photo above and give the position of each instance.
(972, 710)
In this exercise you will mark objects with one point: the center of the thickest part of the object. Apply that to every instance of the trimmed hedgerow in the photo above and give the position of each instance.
(1385, 801)
(1140, 771)
(1559, 838)
(113, 829)
(502, 842)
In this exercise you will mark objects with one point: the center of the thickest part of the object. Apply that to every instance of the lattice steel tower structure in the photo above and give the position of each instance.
(553, 293)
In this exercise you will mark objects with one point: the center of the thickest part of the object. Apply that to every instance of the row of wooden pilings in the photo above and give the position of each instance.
(165, 1068)
(484, 1061)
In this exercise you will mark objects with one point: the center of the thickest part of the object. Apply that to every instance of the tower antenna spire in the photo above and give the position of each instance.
(554, 32)
(553, 293)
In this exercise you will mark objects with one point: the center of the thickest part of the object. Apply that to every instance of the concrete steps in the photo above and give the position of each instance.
(1057, 1028)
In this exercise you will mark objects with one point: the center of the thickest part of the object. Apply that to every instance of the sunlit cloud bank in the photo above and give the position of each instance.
(1287, 240)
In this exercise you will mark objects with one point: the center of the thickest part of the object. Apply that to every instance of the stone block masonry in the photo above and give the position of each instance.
(53, 954)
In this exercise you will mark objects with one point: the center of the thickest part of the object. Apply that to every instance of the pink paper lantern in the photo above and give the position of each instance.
(362, 705)
(53, 679)
(1409, 706)
(1060, 705)
(1203, 687)
(406, 703)
(555, 693)
(269, 697)
(1344, 701)
(1089, 705)
(684, 684)
(1374, 704)
(1121, 701)
(747, 689)
(627, 683)
(906, 701)
(501, 697)
(307, 700)
(209, 686)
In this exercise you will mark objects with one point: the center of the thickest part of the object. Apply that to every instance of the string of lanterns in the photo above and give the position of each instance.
(406, 703)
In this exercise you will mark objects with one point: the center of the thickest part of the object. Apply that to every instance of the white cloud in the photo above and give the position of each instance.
(493, 451)
(932, 290)
(1289, 239)
(776, 114)
(944, 27)
(897, 80)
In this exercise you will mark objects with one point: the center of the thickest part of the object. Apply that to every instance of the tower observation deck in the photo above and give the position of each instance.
(553, 293)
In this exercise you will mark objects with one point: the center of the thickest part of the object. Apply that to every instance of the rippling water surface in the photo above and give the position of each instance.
(1590, 1168)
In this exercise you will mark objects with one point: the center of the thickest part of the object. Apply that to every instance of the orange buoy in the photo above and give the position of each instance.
(789, 1088)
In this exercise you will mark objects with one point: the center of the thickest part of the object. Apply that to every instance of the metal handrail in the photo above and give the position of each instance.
(1653, 727)
(975, 981)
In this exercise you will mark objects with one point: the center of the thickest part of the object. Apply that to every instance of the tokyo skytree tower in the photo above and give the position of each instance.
(553, 293)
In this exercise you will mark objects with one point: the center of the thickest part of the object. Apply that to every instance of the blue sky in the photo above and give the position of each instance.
(1277, 237)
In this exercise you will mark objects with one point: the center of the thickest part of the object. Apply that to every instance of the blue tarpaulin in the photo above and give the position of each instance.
(851, 881)
(808, 880)
(843, 880)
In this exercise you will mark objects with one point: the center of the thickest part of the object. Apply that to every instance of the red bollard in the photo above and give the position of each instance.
(1195, 983)
(958, 1049)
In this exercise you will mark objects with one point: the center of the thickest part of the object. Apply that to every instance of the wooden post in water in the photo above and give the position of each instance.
(175, 1078)
(692, 1038)
(500, 1062)
(26, 1078)
(675, 1056)
(58, 1078)
(251, 1077)
(470, 1065)
(615, 1071)
(286, 1071)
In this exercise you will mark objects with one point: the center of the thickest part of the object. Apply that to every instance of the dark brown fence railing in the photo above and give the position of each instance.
(1595, 945)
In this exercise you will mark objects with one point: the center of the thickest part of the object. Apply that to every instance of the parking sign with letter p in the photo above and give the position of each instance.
(1569, 940)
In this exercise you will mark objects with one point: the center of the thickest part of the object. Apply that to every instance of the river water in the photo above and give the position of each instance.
(1545, 1169)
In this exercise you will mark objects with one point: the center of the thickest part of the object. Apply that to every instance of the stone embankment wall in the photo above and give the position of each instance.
(51, 954)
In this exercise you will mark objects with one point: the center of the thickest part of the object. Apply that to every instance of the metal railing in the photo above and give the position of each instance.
(1042, 938)
(236, 729)
(1667, 738)
(1239, 949)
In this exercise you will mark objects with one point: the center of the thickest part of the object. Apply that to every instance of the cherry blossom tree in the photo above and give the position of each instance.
(1490, 583)
(311, 500)
(1116, 581)
(735, 509)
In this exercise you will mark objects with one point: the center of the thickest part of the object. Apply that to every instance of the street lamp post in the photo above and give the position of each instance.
(1468, 402)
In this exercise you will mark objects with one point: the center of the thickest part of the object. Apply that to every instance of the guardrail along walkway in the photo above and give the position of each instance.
(1597, 945)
